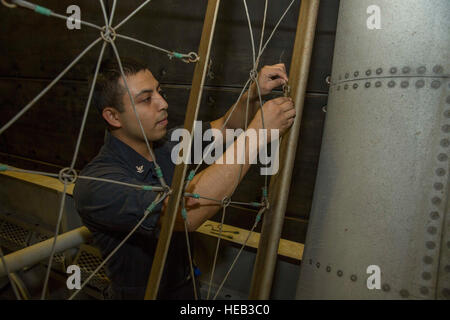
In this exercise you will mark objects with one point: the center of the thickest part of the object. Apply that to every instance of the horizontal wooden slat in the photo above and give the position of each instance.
(286, 248)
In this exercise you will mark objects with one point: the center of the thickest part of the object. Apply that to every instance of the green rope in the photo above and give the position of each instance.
(264, 190)
(159, 173)
(178, 55)
(184, 213)
(43, 11)
(151, 207)
(147, 188)
(191, 175)
(3, 167)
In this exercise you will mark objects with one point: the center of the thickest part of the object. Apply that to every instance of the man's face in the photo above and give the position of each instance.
(150, 106)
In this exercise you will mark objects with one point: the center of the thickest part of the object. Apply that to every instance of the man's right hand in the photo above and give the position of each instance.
(279, 113)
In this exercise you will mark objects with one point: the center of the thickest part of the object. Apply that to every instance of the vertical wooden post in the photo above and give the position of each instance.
(266, 257)
(180, 171)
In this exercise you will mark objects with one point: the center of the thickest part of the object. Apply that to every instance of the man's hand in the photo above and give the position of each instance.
(279, 113)
(269, 78)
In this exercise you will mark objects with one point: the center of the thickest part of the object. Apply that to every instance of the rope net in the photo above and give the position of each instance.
(68, 176)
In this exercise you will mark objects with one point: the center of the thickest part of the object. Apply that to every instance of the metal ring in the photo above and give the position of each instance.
(9, 5)
(67, 175)
(193, 57)
(328, 80)
(110, 36)
(226, 201)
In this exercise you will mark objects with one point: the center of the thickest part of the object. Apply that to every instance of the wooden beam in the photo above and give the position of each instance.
(287, 248)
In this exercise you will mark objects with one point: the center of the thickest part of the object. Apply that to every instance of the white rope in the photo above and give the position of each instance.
(158, 199)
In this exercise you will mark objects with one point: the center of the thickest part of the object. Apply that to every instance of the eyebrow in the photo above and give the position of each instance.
(147, 91)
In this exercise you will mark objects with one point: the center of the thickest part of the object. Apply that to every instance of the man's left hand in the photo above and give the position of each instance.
(269, 78)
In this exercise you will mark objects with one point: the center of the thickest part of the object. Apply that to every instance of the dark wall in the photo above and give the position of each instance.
(35, 48)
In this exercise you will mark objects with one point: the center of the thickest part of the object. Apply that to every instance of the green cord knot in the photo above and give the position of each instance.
(264, 191)
(255, 204)
(147, 188)
(3, 167)
(42, 10)
(151, 207)
(178, 55)
(258, 218)
(184, 213)
(159, 173)
(191, 175)
(195, 196)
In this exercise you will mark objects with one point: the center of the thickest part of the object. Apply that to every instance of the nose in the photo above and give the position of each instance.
(162, 103)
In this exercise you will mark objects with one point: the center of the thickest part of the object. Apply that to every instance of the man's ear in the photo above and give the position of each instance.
(111, 115)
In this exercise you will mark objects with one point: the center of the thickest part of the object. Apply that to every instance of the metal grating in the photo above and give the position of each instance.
(88, 261)
(13, 237)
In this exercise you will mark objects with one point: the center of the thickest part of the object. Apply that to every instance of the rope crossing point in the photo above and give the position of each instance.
(69, 176)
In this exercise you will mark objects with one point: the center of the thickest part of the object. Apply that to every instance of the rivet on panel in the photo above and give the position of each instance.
(427, 260)
(436, 201)
(386, 287)
(378, 84)
(434, 215)
(438, 186)
(440, 172)
(424, 290)
(355, 86)
(445, 143)
(379, 71)
(406, 69)
(435, 84)
(430, 244)
(368, 72)
(353, 277)
(318, 265)
(404, 293)
(340, 273)
(328, 268)
(367, 84)
(356, 73)
(442, 157)
(393, 70)
(431, 230)
(421, 70)
(420, 83)
(404, 84)
(391, 84)
(438, 69)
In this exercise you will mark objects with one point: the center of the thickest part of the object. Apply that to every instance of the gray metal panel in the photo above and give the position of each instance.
(382, 185)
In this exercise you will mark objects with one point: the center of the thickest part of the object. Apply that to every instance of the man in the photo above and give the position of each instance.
(110, 211)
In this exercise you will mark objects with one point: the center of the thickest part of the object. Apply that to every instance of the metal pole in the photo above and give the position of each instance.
(180, 170)
(266, 257)
(42, 250)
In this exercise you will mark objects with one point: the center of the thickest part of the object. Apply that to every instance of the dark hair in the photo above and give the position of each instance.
(108, 92)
